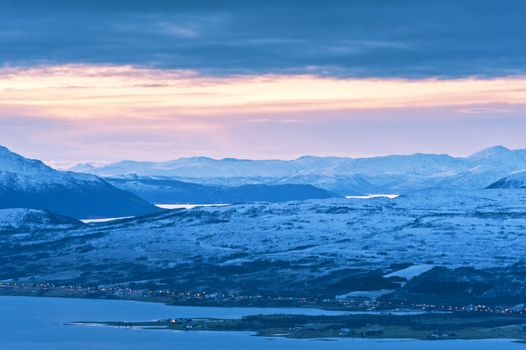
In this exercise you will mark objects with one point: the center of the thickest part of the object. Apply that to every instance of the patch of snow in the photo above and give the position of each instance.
(410, 272)
(364, 294)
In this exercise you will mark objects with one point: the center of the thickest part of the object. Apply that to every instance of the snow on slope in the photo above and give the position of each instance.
(18, 219)
(346, 176)
(295, 241)
(410, 272)
(203, 167)
(17, 172)
(517, 180)
(28, 183)
(486, 167)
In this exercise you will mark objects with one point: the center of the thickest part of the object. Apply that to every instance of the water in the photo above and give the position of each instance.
(162, 206)
(28, 323)
(95, 221)
(187, 206)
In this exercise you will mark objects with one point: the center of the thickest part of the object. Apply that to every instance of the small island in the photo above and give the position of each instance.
(428, 326)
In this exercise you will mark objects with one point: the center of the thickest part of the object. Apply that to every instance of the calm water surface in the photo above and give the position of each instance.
(38, 323)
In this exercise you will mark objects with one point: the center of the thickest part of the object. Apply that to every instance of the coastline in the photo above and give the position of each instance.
(426, 326)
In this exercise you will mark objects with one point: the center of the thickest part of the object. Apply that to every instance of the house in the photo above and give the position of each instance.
(373, 332)
(345, 332)
(436, 335)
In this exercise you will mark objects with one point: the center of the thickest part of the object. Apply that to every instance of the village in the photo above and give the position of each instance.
(206, 298)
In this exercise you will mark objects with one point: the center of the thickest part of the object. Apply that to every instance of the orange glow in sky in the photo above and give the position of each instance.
(85, 112)
(78, 91)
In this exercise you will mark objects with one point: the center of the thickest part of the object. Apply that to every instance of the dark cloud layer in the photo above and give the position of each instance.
(374, 38)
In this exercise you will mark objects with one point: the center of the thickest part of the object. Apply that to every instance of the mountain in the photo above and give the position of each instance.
(517, 180)
(166, 190)
(82, 168)
(28, 183)
(486, 167)
(345, 176)
(204, 167)
(497, 156)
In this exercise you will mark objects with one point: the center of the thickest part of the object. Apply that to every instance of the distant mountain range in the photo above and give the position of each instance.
(28, 183)
(345, 176)
(167, 190)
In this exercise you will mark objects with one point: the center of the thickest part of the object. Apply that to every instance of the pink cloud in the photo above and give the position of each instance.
(115, 112)
(101, 92)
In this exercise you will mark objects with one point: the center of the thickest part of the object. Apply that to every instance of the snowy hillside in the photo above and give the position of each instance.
(517, 180)
(32, 220)
(346, 176)
(329, 166)
(318, 246)
(28, 183)
(486, 167)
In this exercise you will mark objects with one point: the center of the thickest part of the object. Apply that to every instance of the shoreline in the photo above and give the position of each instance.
(244, 302)
(341, 311)
(196, 299)
(428, 326)
(182, 304)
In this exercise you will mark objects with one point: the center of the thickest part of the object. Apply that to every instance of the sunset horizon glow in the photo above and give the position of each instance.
(122, 91)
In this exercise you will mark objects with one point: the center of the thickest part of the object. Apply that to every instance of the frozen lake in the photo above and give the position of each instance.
(162, 206)
(187, 206)
(28, 323)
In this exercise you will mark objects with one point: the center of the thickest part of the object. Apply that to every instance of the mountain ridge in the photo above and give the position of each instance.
(513, 181)
(391, 173)
(166, 190)
(29, 183)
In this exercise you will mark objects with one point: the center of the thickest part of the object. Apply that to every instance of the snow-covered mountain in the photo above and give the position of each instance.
(203, 167)
(167, 190)
(517, 180)
(28, 183)
(486, 167)
(346, 176)
(498, 156)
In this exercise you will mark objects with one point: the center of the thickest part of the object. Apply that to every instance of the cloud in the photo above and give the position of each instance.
(178, 30)
(257, 120)
(402, 39)
(115, 112)
(192, 100)
(484, 110)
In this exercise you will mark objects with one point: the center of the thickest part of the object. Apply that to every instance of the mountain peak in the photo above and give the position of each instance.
(5, 152)
(491, 152)
(12, 162)
(82, 167)
(29, 183)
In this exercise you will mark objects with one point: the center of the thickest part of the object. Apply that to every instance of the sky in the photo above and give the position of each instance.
(101, 81)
